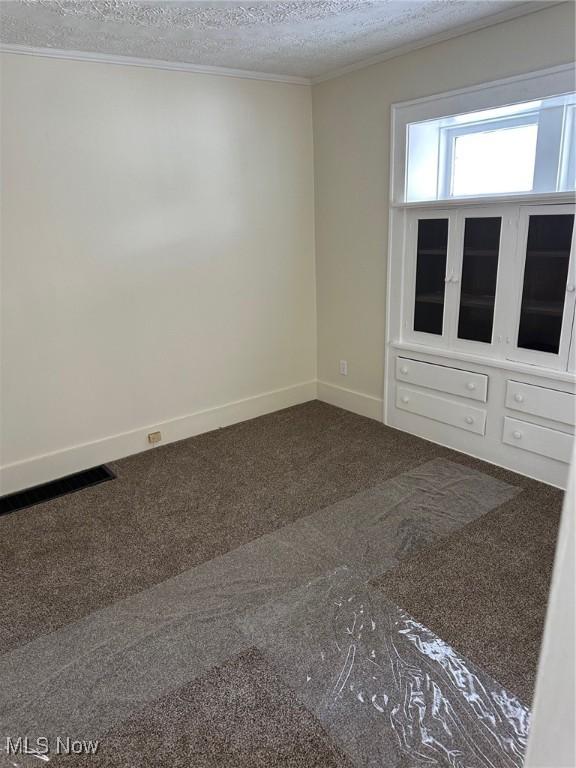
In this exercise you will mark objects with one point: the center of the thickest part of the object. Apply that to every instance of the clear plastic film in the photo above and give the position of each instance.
(387, 688)
(381, 684)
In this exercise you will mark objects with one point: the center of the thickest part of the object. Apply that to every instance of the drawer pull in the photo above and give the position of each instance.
(469, 420)
(405, 399)
(404, 369)
(570, 287)
(518, 397)
(516, 434)
(471, 386)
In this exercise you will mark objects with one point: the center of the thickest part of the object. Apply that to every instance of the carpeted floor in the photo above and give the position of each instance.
(238, 715)
(484, 589)
(132, 611)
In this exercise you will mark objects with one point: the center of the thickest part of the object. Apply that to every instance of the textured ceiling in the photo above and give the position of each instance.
(300, 37)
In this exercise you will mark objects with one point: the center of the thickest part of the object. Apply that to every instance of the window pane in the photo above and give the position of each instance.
(494, 161)
(430, 274)
(519, 148)
(544, 290)
(568, 153)
(479, 272)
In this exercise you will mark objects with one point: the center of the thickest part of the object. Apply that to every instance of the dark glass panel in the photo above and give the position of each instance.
(479, 272)
(544, 289)
(430, 274)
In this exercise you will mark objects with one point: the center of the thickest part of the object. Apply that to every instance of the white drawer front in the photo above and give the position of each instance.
(541, 401)
(441, 409)
(531, 437)
(450, 380)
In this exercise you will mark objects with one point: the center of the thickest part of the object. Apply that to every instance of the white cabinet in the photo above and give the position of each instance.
(495, 281)
(482, 342)
(544, 286)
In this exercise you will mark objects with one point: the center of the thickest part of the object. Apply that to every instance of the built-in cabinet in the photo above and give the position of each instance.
(496, 281)
(482, 355)
(545, 283)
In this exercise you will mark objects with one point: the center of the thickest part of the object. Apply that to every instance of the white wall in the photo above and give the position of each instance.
(158, 241)
(157, 253)
(351, 146)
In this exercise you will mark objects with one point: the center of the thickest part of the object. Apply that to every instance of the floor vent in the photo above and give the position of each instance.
(54, 489)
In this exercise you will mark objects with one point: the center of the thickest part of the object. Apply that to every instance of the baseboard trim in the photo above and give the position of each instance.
(49, 466)
(351, 400)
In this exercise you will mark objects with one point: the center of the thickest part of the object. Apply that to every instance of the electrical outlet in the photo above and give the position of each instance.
(344, 367)
(154, 437)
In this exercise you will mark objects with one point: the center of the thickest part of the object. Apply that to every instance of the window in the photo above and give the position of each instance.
(517, 149)
(492, 160)
(568, 169)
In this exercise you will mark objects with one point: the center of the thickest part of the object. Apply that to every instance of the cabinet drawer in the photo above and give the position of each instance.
(441, 409)
(541, 401)
(531, 437)
(450, 380)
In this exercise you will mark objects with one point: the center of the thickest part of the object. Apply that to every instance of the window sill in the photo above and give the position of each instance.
(460, 202)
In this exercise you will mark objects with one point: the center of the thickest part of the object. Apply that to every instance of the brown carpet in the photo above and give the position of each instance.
(484, 589)
(239, 715)
(180, 505)
(242, 492)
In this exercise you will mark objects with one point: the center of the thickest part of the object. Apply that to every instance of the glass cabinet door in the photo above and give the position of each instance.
(546, 305)
(479, 272)
(430, 285)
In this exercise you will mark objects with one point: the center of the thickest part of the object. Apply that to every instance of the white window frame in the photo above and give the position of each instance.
(524, 88)
(448, 136)
(567, 170)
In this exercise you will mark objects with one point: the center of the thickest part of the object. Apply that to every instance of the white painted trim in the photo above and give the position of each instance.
(131, 61)
(546, 198)
(539, 84)
(503, 81)
(498, 18)
(40, 469)
(351, 400)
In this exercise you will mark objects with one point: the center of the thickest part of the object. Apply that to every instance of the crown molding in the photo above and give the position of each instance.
(130, 61)
(523, 9)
